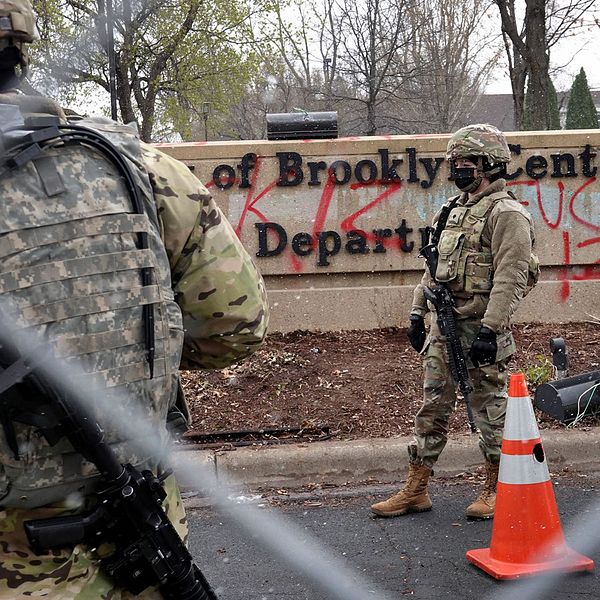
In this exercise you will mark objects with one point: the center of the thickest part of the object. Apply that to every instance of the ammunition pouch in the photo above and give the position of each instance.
(450, 261)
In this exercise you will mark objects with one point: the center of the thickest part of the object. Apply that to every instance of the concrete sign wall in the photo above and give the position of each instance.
(334, 224)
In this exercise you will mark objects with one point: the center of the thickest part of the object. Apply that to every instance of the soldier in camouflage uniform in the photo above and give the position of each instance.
(219, 315)
(486, 261)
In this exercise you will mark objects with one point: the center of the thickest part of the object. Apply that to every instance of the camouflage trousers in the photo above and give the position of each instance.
(70, 574)
(488, 401)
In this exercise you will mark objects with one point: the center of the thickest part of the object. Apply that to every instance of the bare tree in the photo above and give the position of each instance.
(304, 69)
(354, 57)
(276, 90)
(528, 40)
(295, 42)
(330, 36)
(374, 57)
(453, 56)
(385, 65)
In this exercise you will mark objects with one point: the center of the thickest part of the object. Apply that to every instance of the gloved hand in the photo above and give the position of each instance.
(416, 332)
(484, 348)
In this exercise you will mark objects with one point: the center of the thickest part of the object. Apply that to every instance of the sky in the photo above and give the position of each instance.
(581, 50)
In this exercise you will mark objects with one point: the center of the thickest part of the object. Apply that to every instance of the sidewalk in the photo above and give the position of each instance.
(385, 460)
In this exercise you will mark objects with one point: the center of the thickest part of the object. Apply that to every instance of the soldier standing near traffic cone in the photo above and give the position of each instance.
(484, 241)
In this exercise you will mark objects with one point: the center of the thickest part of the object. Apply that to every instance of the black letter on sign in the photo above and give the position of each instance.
(431, 169)
(388, 172)
(403, 232)
(324, 251)
(302, 244)
(263, 244)
(586, 156)
(248, 162)
(412, 165)
(314, 168)
(333, 172)
(534, 163)
(557, 160)
(380, 235)
(290, 172)
(358, 171)
(357, 242)
(218, 177)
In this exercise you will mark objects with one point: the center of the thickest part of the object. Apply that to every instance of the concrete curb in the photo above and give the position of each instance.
(385, 460)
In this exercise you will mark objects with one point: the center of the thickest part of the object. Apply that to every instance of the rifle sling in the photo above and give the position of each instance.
(441, 224)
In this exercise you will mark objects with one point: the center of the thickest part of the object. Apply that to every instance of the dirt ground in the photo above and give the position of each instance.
(353, 384)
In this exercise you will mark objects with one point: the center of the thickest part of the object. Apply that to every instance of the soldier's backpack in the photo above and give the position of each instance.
(83, 267)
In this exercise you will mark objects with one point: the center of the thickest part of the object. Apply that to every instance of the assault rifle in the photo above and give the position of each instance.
(443, 303)
(128, 513)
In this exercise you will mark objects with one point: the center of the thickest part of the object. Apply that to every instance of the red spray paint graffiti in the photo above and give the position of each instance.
(568, 273)
(552, 208)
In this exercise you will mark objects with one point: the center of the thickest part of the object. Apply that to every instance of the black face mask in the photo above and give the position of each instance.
(466, 179)
(468, 184)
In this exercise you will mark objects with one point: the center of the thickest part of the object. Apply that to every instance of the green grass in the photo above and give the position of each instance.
(540, 371)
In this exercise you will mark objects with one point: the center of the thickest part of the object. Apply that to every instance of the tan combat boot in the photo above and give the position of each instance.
(412, 497)
(485, 506)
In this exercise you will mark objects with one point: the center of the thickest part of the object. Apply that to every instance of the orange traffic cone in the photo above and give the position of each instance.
(527, 537)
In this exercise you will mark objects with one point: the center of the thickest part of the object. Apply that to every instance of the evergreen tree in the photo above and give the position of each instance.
(553, 108)
(553, 114)
(581, 112)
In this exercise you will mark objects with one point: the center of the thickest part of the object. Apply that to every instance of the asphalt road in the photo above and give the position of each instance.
(417, 556)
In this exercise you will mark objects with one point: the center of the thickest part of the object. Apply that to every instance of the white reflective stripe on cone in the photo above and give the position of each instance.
(522, 469)
(520, 423)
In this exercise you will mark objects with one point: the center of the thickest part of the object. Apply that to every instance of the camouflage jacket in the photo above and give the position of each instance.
(217, 286)
(220, 292)
(507, 236)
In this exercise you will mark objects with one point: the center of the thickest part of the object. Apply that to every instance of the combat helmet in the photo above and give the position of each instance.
(480, 140)
(17, 27)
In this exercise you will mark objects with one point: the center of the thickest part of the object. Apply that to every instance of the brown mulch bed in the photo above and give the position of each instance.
(358, 383)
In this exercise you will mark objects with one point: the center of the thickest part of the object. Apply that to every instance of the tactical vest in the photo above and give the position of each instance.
(76, 274)
(465, 265)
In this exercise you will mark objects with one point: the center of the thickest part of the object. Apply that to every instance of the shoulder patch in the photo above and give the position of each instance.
(509, 205)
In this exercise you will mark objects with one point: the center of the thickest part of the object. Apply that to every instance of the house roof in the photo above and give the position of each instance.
(497, 109)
